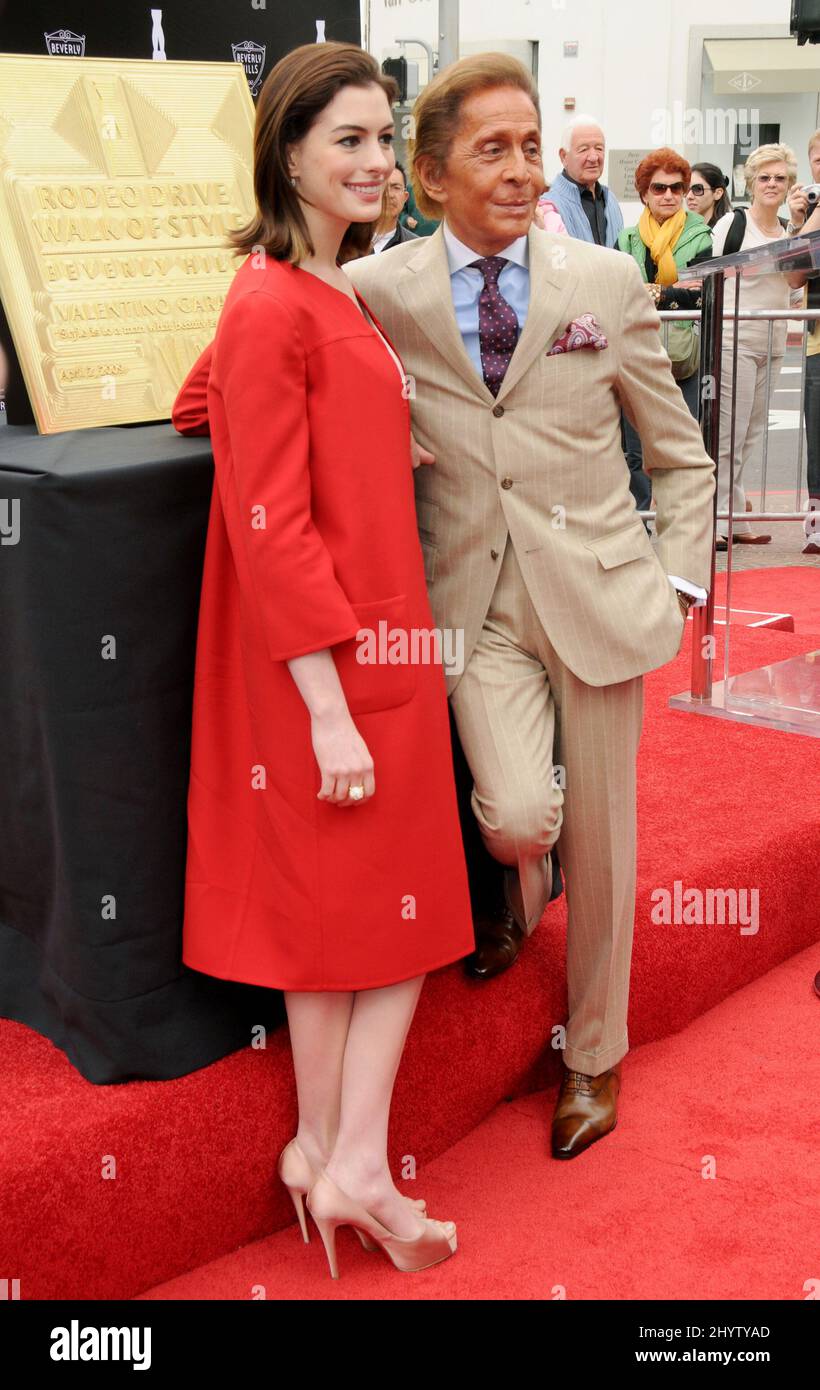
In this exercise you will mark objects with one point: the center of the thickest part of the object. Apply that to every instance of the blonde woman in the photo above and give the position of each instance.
(770, 172)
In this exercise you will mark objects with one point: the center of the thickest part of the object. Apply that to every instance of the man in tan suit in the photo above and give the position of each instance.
(531, 540)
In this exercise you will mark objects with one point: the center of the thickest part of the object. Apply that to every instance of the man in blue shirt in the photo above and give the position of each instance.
(523, 346)
(589, 210)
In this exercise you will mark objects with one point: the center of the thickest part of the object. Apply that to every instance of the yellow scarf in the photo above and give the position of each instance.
(660, 237)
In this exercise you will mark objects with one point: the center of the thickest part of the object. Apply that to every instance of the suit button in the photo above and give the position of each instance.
(493, 554)
(498, 411)
(506, 483)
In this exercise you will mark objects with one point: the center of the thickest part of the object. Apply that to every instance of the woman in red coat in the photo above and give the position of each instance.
(324, 851)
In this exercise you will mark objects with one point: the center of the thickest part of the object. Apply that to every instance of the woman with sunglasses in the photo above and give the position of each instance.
(667, 238)
(707, 193)
(770, 171)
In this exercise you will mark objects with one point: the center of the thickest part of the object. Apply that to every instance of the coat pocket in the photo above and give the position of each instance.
(630, 543)
(376, 667)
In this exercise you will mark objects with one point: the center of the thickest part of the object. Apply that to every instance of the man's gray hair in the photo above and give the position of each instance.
(566, 134)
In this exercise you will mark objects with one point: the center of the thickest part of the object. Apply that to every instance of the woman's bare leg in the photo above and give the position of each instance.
(318, 1025)
(379, 1025)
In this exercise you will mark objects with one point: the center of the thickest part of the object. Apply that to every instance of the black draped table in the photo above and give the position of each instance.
(99, 596)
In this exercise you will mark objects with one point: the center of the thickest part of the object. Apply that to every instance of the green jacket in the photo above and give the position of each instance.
(695, 238)
(425, 226)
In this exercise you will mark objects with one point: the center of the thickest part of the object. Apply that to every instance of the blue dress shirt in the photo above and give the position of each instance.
(466, 284)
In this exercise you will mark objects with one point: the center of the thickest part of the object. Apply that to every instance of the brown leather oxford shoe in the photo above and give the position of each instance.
(586, 1110)
(498, 940)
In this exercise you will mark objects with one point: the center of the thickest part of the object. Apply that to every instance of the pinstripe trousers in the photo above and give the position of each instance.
(554, 759)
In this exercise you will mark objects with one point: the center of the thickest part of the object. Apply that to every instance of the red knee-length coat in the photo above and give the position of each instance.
(311, 538)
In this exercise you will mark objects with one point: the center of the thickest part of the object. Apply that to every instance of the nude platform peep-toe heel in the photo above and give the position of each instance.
(330, 1208)
(298, 1175)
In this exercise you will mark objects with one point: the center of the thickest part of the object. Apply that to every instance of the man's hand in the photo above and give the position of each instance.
(419, 455)
(804, 223)
(798, 206)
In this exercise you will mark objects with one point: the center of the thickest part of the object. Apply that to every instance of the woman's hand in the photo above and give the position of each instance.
(419, 455)
(341, 752)
(343, 758)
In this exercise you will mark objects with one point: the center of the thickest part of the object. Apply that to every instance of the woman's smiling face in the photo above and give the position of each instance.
(345, 159)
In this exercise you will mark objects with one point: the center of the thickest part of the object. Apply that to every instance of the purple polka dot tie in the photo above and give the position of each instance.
(497, 325)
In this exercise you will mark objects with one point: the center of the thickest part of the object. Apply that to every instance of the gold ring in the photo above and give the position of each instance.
(356, 793)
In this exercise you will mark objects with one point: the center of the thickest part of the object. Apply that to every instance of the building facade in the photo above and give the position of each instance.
(711, 78)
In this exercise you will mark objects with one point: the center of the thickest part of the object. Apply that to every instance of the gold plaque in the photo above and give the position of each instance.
(119, 180)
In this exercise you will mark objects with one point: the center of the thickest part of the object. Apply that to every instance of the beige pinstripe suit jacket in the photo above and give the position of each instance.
(543, 460)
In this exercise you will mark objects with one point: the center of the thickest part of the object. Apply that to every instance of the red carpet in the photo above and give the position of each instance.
(754, 617)
(791, 589)
(721, 806)
(634, 1217)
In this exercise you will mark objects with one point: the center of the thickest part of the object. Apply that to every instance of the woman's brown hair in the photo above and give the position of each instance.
(293, 95)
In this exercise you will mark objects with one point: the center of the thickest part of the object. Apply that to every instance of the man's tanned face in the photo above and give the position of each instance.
(494, 174)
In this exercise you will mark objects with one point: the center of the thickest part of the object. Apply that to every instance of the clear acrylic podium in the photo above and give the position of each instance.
(784, 694)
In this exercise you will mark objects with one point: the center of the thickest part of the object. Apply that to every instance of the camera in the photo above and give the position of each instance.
(812, 192)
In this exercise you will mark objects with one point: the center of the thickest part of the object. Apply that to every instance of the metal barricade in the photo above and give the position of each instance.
(703, 644)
